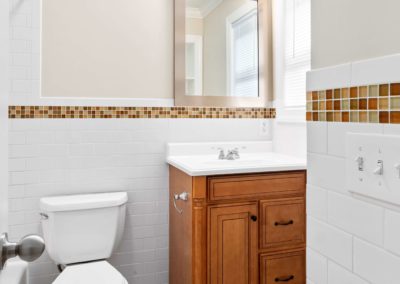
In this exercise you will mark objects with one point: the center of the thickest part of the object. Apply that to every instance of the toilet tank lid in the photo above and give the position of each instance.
(82, 202)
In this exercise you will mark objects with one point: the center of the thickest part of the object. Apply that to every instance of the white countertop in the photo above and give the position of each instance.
(201, 159)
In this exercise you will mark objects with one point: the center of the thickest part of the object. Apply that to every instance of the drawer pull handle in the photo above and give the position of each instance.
(284, 278)
(284, 223)
(253, 218)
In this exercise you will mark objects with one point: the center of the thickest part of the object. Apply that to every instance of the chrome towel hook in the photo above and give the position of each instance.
(184, 196)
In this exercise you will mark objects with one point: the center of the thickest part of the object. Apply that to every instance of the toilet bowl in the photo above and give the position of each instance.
(81, 232)
(98, 272)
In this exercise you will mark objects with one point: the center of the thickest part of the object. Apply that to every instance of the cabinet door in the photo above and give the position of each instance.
(233, 244)
(285, 268)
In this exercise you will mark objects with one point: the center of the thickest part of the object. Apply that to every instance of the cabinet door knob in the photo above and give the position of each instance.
(253, 218)
(284, 278)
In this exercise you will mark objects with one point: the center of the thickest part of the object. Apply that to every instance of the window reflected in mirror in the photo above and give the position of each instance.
(221, 51)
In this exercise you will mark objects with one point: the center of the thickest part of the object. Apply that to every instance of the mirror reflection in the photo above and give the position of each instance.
(222, 48)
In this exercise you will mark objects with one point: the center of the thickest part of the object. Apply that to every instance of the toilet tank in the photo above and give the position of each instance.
(82, 228)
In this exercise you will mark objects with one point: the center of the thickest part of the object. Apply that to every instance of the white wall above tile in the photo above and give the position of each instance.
(367, 72)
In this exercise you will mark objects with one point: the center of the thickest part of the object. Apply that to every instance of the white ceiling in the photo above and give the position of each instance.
(201, 8)
(198, 4)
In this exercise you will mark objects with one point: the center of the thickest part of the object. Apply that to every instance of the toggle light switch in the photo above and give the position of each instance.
(397, 167)
(379, 169)
(360, 162)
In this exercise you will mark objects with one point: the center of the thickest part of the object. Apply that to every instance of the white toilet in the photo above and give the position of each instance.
(81, 232)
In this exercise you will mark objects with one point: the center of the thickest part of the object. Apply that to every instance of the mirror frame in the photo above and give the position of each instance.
(265, 74)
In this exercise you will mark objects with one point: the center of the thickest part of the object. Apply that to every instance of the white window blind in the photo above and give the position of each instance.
(244, 66)
(297, 55)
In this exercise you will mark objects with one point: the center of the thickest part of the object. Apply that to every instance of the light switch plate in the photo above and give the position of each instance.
(374, 149)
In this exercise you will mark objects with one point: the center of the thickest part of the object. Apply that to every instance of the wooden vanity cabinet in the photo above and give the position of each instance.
(238, 229)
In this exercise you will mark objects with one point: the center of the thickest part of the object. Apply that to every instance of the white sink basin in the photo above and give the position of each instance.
(199, 159)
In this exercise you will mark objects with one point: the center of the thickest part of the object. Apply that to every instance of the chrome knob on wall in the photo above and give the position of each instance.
(29, 248)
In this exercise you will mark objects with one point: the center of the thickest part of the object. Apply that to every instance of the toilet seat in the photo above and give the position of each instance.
(99, 272)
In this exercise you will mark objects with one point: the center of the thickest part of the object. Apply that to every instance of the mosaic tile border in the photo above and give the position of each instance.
(101, 112)
(363, 104)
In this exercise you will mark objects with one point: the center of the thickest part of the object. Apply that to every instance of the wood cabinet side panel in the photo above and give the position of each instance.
(180, 226)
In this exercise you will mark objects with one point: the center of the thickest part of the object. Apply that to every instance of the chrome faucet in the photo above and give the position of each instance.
(231, 155)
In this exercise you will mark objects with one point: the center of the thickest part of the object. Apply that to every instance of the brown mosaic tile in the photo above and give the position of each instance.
(383, 117)
(384, 90)
(345, 116)
(314, 96)
(337, 94)
(363, 92)
(373, 104)
(329, 105)
(315, 116)
(395, 89)
(363, 104)
(309, 96)
(321, 105)
(329, 116)
(354, 92)
(354, 104)
(345, 104)
(90, 112)
(337, 105)
(309, 116)
(345, 93)
(329, 94)
(395, 117)
(337, 116)
(383, 103)
(363, 116)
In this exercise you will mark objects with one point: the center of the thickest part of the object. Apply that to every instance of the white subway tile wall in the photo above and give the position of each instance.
(56, 157)
(350, 241)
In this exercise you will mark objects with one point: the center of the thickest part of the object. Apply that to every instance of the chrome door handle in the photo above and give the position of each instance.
(184, 196)
(29, 248)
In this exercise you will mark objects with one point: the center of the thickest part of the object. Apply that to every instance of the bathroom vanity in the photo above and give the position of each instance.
(237, 221)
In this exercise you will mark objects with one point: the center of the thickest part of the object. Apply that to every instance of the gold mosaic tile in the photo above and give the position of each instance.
(363, 116)
(373, 91)
(383, 103)
(395, 103)
(345, 93)
(363, 92)
(354, 116)
(373, 117)
(90, 112)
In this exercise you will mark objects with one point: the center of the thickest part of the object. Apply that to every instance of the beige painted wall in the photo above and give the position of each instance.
(214, 48)
(349, 30)
(103, 48)
(194, 26)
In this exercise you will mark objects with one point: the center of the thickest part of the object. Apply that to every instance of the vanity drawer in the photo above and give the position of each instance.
(256, 186)
(282, 222)
(284, 268)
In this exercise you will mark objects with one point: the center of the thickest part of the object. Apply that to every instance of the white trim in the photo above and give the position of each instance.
(236, 15)
(197, 40)
(4, 94)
